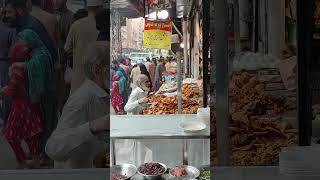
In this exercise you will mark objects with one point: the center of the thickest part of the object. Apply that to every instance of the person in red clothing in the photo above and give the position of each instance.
(25, 119)
(117, 98)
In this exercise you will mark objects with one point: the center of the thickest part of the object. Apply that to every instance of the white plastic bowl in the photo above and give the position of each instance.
(193, 126)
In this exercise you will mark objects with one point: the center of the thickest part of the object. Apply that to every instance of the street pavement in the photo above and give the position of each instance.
(7, 158)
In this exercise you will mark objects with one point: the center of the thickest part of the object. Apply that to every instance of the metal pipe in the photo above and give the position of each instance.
(113, 151)
(237, 26)
(179, 85)
(222, 74)
(175, 27)
(305, 33)
(185, 43)
(185, 151)
(256, 26)
(205, 44)
(196, 46)
(192, 5)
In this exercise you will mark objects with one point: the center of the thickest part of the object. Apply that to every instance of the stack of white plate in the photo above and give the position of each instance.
(300, 161)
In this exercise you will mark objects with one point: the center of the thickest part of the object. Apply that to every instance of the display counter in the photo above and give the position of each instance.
(138, 127)
(55, 174)
(153, 127)
(254, 173)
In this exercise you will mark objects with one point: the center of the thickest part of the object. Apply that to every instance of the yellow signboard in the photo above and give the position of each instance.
(157, 34)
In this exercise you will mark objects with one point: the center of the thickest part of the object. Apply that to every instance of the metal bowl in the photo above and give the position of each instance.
(153, 177)
(193, 172)
(127, 170)
(204, 168)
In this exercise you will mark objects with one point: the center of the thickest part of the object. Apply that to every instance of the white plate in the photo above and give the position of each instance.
(193, 126)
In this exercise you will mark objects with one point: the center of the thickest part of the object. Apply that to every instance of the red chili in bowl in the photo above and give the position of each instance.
(179, 172)
(116, 176)
(151, 169)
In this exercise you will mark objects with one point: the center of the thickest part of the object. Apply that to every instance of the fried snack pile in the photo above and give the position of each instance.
(254, 141)
(161, 104)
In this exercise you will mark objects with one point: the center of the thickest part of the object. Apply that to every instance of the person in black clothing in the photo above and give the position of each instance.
(103, 25)
(143, 70)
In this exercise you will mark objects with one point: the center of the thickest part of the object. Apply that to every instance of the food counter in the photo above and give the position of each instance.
(154, 127)
(254, 173)
(54, 174)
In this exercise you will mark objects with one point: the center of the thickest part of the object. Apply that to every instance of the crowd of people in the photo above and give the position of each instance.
(138, 81)
(53, 66)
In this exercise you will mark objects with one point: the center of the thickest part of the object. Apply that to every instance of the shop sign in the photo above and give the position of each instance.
(157, 34)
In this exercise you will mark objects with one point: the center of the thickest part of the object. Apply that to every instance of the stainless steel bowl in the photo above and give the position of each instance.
(127, 170)
(153, 177)
(193, 172)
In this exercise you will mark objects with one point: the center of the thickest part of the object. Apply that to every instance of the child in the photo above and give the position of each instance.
(117, 98)
(25, 119)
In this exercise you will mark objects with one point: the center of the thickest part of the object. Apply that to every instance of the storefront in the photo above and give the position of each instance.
(279, 59)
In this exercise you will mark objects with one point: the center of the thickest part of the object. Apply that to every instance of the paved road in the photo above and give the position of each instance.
(7, 158)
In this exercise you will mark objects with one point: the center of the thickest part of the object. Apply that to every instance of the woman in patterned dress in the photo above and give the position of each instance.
(117, 98)
(25, 118)
(41, 87)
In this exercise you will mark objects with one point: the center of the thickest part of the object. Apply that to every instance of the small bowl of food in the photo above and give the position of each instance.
(193, 126)
(123, 171)
(184, 172)
(152, 170)
(205, 175)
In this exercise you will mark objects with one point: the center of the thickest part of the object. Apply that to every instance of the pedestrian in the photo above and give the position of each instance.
(7, 38)
(143, 70)
(81, 13)
(65, 19)
(113, 69)
(74, 143)
(103, 25)
(158, 74)
(48, 6)
(25, 119)
(122, 83)
(40, 76)
(117, 98)
(18, 16)
(82, 33)
(134, 74)
(49, 20)
(125, 67)
(150, 67)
